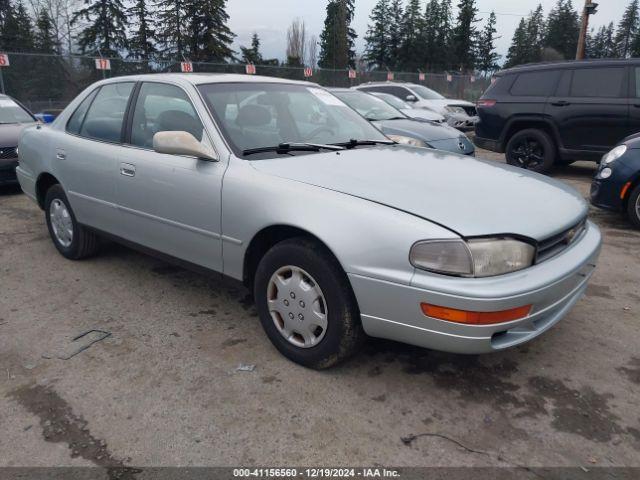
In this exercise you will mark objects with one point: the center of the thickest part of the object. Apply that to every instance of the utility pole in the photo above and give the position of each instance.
(589, 9)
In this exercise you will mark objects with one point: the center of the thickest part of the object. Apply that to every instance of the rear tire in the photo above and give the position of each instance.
(306, 305)
(73, 241)
(633, 207)
(531, 149)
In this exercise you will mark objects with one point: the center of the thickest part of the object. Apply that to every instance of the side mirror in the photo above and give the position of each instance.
(411, 98)
(181, 143)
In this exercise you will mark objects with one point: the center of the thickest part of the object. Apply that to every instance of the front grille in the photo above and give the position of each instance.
(558, 243)
(7, 175)
(8, 152)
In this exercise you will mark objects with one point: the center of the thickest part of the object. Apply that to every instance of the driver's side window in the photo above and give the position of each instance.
(163, 108)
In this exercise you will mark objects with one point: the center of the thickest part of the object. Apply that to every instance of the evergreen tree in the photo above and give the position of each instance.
(215, 36)
(519, 48)
(396, 15)
(445, 33)
(45, 40)
(535, 35)
(487, 61)
(142, 43)
(377, 39)
(5, 10)
(252, 54)
(410, 58)
(337, 40)
(563, 29)
(431, 27)
(172, 37)
(17, 30)
(465, 36)
(628, 28)
(105, 24)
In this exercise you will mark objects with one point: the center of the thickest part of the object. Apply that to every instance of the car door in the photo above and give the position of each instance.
(590, 108)
(169, 203)
(86, 155)
(634, 101)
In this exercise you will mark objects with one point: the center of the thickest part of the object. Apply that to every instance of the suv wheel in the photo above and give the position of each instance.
(531, 149)
(633, 207)
(73, 241)
(306, 305)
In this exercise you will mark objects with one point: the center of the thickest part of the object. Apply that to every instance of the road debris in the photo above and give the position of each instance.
(79, 344)
(245, 368)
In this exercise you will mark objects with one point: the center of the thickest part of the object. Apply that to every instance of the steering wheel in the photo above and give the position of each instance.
(318, 131)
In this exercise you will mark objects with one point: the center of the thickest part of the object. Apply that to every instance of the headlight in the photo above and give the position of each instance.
(475, 258)
(414, 142)
(614, 154)
(451, 109)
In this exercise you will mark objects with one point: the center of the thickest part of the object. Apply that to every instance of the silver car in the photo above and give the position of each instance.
(337, 231)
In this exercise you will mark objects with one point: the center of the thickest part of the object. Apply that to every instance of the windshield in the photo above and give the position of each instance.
(370, 107)
(426, 93)
(393, 101)
(11, 112)
(259, 115)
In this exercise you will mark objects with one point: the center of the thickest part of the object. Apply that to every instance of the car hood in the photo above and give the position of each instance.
(10, 133)
(413, 128)
(471, 197)
(423, 114)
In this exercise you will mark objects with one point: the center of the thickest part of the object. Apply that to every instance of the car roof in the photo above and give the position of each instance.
(599, 62)
(341, 89)
(203, 78)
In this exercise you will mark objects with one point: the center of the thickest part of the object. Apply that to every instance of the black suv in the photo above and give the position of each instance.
(557, 113)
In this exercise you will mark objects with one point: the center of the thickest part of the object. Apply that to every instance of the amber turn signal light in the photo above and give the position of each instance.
(474, 318)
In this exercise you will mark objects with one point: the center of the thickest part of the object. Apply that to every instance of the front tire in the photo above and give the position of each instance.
(531, 149)
(73, 241)
(633, 207)
(306, 305)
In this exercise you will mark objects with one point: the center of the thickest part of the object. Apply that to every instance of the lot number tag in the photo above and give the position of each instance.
(186, 67)
(103, 64)
(4, 60)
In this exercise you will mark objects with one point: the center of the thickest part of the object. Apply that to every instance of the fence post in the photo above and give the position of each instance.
(1, 81)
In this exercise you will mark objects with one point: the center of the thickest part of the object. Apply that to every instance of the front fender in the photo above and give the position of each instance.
(367, 238)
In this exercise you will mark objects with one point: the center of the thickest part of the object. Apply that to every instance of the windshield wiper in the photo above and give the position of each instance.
(353, 143)
(293, 147)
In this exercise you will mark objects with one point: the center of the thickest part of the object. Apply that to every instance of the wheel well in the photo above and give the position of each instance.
(44, 183)
(517, 126)
(264, 240)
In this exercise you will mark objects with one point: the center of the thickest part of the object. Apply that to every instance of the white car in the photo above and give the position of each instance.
(408, 110)
(458, 113)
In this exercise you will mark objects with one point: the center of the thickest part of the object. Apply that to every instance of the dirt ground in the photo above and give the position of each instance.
(164, 388)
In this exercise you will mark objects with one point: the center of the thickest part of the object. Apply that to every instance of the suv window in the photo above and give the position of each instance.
(535, 84)
(597, 82)
(105, 116)
(163, 108)
(75, 122)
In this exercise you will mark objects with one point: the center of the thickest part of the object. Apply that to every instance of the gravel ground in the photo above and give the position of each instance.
(163, 389)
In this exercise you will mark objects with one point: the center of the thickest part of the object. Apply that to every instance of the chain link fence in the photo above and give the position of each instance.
(50, 82)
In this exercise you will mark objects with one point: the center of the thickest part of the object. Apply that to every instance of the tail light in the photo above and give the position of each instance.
(485, 103)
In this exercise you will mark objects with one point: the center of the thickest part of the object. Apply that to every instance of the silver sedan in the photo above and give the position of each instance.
(338, 231)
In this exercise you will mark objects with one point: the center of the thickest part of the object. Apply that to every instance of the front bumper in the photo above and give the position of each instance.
(605, 193)
(390, 310)
(462, 121)
(8, 171)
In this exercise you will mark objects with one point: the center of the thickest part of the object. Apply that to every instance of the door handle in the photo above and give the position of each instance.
(60, 155)
(560, 103)
(128, 170)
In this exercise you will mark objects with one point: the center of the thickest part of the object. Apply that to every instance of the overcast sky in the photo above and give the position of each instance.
(270, 19)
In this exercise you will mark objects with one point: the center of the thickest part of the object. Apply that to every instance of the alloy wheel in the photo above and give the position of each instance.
(61, 222)
(528, 153)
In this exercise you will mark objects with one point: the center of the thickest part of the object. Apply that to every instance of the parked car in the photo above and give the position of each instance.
(616, 185)
(397, 126)
(459, 114)
(408, 110)
(337, 231)
(14, 117)
(557, 113)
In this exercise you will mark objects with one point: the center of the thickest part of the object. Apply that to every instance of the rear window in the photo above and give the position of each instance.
(535, 84)
(597, 82)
